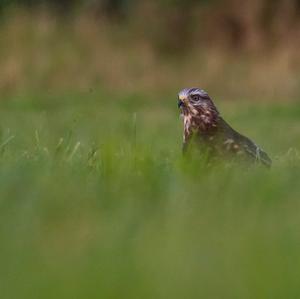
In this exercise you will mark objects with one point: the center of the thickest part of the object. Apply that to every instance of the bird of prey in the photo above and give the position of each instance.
(204, 124)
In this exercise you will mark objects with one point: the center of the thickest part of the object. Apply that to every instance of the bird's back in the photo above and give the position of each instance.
(237, 144)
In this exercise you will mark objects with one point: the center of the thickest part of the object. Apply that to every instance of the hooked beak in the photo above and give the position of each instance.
(181, 101)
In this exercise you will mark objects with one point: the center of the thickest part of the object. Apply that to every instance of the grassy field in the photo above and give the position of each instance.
(96, 201)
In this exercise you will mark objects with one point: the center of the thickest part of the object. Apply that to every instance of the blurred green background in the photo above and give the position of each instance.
(96, 200)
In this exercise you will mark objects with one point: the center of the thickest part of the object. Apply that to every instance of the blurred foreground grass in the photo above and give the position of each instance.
(97, 202)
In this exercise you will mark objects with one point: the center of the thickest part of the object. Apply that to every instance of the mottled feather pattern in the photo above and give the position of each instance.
(202, 120)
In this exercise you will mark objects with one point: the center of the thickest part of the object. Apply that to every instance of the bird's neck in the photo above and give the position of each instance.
(202, 119)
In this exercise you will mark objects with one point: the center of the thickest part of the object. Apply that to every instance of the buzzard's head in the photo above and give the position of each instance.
(196, 104)
(194, 100)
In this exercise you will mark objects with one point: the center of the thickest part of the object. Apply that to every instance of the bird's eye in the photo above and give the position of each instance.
(195, 97)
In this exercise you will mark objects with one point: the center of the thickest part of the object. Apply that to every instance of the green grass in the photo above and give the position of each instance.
(97, 202)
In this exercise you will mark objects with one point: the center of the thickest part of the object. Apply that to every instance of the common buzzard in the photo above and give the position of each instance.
(203, 123)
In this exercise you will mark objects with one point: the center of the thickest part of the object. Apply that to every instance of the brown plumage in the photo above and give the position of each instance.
(203, 123)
